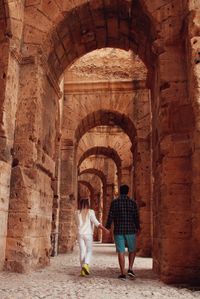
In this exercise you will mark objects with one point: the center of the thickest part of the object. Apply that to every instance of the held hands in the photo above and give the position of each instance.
(107, 231)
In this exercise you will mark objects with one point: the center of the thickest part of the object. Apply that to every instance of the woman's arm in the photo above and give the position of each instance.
(96, 222)
(103, 228)
(93, 218)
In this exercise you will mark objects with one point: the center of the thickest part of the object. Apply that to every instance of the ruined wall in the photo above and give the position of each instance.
(10, 35)
(193, 65)
(173, 124)
(31, 199)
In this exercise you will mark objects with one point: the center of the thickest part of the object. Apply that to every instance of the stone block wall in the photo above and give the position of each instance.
(193, 51)
(31, 199)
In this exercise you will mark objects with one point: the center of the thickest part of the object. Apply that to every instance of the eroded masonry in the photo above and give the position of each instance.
(94, 94)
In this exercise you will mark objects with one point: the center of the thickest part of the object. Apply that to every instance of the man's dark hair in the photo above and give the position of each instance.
(124, 189)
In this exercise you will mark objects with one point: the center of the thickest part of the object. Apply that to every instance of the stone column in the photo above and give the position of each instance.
(106, 206)
(96, 202)
(56, 203)
(67, 227)
(173, 122)
(100, 212)
(9, 81)
(31, 196)
(193, 51)
(143, 196)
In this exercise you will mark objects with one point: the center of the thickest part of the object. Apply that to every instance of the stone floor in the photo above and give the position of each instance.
(61, 280)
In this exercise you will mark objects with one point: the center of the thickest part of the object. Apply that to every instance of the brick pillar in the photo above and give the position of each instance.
(56, 203)
(67, 227)
(193, 51)
(31, 196)
(172, 126)
(100, 212)
(106, 207)
(9, 81)
(96, 202)
(143, 196)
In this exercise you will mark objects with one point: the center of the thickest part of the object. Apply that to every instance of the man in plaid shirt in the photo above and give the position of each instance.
(124, 213)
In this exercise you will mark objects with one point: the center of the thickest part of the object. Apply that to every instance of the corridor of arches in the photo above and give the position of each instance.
(95, 94)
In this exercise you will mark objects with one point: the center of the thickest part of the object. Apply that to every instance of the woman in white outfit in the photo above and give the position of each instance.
(86, 220)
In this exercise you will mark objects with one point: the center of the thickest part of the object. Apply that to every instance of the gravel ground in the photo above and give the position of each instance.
(61, 280)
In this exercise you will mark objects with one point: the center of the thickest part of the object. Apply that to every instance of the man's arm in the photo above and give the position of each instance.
(136, 217)
(110, 217)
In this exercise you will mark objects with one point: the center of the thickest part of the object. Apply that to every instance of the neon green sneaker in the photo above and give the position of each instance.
(86, 269)
(82, 273)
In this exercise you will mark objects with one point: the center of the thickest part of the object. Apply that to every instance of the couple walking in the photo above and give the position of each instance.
(124, 214)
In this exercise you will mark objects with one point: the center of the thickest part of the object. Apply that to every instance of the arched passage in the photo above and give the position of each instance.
(110, 118)
(172, 115)
(95, 25)
(105, 151)
(97, 172)
(106, 118)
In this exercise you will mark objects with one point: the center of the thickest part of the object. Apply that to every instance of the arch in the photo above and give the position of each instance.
(94, 25)
(96, 172)
(89, 186)
(106, 118)
(105, 151)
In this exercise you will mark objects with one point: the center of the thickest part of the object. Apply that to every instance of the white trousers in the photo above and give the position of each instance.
(85, 246)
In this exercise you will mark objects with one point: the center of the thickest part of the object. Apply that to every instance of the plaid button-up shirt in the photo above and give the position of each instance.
(124, 213)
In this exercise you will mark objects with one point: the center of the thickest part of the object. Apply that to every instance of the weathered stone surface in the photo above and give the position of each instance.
(43, 138)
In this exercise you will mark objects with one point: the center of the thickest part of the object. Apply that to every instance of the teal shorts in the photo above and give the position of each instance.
(121, 241)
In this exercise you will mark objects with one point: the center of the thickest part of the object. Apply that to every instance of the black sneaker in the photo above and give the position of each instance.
(122, 276)
(131, 273)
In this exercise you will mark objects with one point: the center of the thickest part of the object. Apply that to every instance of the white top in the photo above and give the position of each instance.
(86, 227)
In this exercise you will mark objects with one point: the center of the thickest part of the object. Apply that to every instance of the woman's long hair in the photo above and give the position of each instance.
(84, 208)
(84, 204)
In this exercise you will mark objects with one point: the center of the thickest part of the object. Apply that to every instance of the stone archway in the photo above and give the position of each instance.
(108, 152)
(97, 25)
(106, 118)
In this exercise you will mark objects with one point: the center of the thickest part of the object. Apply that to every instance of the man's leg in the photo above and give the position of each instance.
(121, 259)
(131, 242)
(131, 258)
(120, 248)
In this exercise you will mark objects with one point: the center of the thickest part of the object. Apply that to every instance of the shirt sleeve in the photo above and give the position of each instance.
(93, 218)
(110, 217)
